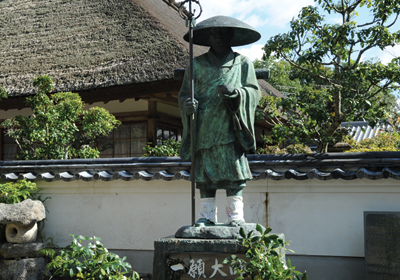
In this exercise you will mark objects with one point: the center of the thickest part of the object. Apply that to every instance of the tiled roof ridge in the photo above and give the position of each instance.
(347, 166)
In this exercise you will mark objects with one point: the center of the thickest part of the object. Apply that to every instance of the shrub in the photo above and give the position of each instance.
(298, 149)
(381, 142)
(90, 262)
(291, 149)
(11, 192)
(16, 192)
(269, 150)
(264, 253)
(169, 148)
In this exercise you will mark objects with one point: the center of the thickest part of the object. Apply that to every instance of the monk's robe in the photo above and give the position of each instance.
(224, 129)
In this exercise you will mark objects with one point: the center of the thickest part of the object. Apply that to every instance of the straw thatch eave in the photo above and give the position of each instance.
(89, 46)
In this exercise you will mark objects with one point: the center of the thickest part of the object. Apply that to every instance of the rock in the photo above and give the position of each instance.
(219, 231)
(18, 233)
(24, 269)
(15, 251)
(26, 212)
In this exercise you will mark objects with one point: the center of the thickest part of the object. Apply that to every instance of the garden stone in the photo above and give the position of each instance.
(18, 233)
(26, 212)
(24, 269)
(16, 251)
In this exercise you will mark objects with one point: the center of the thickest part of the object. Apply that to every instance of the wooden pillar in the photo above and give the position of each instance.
(151, 123)
(1, 144)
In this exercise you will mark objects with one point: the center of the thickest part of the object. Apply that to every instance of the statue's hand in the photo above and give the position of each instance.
(190, 107)
(226, 91)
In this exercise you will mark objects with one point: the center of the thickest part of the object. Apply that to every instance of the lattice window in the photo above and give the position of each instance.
(165, 132)
(128, 140)
(9, 148)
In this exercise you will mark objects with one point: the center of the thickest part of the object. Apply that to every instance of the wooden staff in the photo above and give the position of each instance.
(191, 22)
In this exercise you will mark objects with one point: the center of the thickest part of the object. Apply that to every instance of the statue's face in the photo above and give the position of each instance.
(220, 36)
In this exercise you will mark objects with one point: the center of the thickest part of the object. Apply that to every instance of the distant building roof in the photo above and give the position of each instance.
(361, 130)
(267, 89)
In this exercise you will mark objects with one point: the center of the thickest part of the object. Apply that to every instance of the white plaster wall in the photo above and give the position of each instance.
(129, 215)
(318, 217)
(326, 217)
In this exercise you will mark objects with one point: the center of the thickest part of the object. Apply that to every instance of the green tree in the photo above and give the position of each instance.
(341, 84)
(280, 77)
(58, 128)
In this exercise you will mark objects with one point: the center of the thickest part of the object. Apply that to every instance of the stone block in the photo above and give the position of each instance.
(15, 251)
(382, 245)
(24, 269)
(26, 212)
(19, 233)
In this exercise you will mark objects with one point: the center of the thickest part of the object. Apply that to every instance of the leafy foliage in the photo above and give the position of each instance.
(381, 142)
(90, 262)
(16, 192)
(3, 92)
(169, 148)
(59, 128)
(291, 149)
(280, 77)
(338, 84)
(264, 253)
(11, 193)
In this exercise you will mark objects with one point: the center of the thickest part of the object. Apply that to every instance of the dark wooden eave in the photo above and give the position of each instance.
(164, 91)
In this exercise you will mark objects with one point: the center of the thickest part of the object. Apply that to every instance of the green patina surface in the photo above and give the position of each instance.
(224, 127)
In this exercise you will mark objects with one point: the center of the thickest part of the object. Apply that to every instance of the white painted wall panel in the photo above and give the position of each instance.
(129, 215)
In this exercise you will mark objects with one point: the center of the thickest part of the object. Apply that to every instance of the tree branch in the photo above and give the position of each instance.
(330, 6)
(308, 71)
(369, 23)
(390, 25)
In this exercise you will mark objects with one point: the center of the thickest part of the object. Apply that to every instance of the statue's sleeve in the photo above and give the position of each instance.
(184, 94)
(249, 98)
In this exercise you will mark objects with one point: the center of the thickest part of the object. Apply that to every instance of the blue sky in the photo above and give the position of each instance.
(271, 17)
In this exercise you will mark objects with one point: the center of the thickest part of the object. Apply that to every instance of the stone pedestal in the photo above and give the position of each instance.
(188, 258)
(218, 231)
(22, 262)
(169, 251)
(23, 269)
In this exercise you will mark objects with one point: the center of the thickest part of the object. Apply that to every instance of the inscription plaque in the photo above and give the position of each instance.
(205, 266)
(382, 245)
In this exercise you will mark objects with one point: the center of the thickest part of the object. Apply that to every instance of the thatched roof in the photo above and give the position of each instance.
(86, 45)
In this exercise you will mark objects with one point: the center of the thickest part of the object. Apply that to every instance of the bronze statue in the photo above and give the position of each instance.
(226, 95)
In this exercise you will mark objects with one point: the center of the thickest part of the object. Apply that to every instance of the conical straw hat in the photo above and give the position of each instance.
(244, 34)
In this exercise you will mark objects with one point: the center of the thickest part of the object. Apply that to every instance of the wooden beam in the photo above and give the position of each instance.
(152, 109)
(152, 122)
(157, 89)
(151, 132)
(160, 89)
(165, 100)
(13, 103)
(1, 144)
(171, 120)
